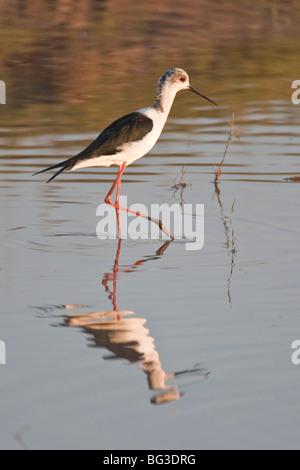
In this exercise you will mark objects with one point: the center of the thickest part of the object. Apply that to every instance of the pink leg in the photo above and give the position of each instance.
(117, 202)
(117, 206)
(117, 181)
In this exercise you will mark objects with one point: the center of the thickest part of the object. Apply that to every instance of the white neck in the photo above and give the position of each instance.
(164, 101)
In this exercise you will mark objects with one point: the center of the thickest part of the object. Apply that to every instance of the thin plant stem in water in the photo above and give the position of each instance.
(230, 137)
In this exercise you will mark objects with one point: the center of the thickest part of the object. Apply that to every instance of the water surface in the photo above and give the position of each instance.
(140, 344)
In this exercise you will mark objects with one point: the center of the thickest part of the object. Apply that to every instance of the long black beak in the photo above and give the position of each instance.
(200, 94)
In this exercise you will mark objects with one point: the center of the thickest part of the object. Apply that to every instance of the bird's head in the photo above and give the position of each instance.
(176, 79)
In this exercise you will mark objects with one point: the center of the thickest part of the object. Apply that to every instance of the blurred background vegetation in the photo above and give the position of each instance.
(81, 63)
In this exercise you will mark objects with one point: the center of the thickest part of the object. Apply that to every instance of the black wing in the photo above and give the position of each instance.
(130, 128)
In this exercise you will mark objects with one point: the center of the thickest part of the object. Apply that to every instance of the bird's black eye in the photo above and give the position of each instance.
(182, 79)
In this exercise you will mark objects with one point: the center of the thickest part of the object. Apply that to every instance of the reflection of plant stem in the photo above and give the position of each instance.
(181, 185)
(232, 253)
(231, 133)
(19, 437)
(230, 237)
(224, 217)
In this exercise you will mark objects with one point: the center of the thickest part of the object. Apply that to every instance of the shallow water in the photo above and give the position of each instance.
(140, 344)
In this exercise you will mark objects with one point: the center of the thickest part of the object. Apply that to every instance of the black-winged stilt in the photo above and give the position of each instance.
(130, 137)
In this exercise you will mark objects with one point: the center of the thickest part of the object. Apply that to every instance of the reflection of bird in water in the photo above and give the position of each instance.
(128, 338)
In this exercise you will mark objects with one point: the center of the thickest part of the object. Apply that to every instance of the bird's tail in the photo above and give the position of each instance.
(63, 166)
